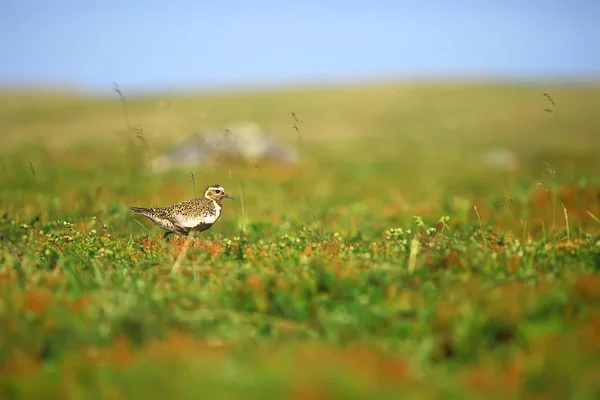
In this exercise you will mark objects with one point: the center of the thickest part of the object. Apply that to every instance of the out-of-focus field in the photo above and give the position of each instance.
(395, 260)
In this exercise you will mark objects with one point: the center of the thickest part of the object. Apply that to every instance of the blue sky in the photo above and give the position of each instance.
(157, 45)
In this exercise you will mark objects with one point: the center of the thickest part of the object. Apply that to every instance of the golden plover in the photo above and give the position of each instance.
(197, 214)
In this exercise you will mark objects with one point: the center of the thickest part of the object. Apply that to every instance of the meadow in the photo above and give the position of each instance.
(395, 261)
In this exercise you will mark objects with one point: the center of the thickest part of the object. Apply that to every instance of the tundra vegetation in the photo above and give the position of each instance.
(434, 241)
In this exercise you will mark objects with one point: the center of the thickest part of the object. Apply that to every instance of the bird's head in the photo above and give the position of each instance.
(216, 193)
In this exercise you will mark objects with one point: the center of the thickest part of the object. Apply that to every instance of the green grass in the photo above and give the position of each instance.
(365, 271)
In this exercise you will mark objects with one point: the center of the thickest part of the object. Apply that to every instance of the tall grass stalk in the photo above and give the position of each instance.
(243, 207)
(4, 168)
(480, 224)
(566, 221)
(303, 196)
(553, 109)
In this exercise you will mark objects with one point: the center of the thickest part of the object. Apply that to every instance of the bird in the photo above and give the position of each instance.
(197, 214)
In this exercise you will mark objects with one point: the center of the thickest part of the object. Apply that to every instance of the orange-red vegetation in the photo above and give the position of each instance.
(307, 251)
(391, 291)
(37, 301)
(8, 277)
(80, 304)
(444, 262)
(19, 362)
(212, 248)
(341, 271)
(255, 284)
(150, 245)
(308, 391)
(513, 262)
(587, 287)
(369, 365)
(479, 379)
(331, 248)
(444, 315)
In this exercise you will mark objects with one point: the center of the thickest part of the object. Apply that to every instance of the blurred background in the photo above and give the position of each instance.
(417, 104)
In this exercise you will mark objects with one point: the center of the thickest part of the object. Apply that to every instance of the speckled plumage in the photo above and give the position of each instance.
(197, 214)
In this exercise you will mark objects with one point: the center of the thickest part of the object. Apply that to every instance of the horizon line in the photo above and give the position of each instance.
(48, 86)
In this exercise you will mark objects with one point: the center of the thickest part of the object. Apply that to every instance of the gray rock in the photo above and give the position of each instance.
(241, 140)
(500, 158)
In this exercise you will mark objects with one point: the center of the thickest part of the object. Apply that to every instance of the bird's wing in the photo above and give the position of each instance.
(181, 217)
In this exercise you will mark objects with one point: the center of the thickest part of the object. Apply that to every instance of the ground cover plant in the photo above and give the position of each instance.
(394, 261)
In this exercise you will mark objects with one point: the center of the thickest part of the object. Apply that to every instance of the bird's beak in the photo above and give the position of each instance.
(228, 196)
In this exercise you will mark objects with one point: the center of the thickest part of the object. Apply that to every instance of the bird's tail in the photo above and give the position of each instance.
(141, 210)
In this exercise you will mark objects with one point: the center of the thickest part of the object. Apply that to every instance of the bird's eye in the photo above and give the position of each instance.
(218, 191)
